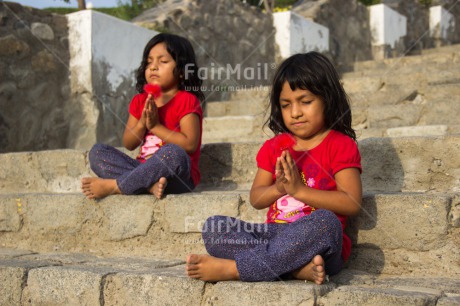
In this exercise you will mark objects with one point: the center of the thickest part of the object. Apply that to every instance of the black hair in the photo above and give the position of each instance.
(314, 72)
(182, 52)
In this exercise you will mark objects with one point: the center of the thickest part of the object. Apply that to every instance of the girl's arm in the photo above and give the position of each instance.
(134, 133)
(263, 191)
(189, 136)
(346, 200)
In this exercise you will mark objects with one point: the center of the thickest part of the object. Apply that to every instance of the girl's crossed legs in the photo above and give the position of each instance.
(167, 171)
(306, 249)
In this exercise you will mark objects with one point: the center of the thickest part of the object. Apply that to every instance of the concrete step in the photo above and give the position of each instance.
(401, 81)
(425, 164)
(429, 72)
(234, 129)
(386, 95)
(236, 108)
(433, 105)
(240, 103)
(437, 56)
(399, 234)
(70, 279)
(255, 93)
(390, 165)
(409, 131)
(393, 116)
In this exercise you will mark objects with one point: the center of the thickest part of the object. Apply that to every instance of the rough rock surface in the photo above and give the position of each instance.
(34, 79)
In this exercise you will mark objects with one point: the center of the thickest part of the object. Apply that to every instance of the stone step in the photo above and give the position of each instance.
(430, 72)
(398, 94)
(259, 93)
(443, 55)
(434, 105)
(234, 129)
(243, 107)
(392, 116)
(408, 131)
(411, 78)
(403, 233)
(71, 279)
(420, 87)
(240, 103)
(390, 165)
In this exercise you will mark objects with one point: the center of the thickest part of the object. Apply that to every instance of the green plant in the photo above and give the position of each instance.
(61, 10)
(280, 5)
(426, 3)
(370, 2)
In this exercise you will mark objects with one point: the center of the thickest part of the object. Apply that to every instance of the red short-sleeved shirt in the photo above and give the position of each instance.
(170, 114)
(317, 169)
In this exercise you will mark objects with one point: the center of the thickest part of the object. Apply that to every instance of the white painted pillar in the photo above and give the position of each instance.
(441, 23)
(104, 53)
(295, 34)
(388, 27)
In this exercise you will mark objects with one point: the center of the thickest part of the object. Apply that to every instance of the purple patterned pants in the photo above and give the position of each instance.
(134, 177)
(268, 252)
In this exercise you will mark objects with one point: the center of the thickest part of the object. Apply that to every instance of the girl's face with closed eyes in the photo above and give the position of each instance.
(160, 68)
(302, 112)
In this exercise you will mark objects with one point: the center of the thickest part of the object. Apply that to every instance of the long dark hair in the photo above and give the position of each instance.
(314, 72)
(182, 52)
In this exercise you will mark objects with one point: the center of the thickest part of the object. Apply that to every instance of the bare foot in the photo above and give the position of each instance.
(211, 269)
(314, 271)
(159, 187)
(96, 188)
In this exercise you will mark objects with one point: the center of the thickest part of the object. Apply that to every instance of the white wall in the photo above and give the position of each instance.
(295, 34)
(119, 44)
(96, 37)
(104, 55)
(441, 22)
(387, 25)
(80, 50)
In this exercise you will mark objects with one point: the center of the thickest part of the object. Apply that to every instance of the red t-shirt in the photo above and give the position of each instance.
(317, 169)
(170, 114)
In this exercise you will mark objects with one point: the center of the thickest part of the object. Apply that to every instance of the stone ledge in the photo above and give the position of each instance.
(390, 165)
(394, 233)
(77, 279)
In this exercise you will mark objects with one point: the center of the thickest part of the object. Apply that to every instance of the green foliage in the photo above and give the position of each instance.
(426, 3)
(160, 29)
(123, 11)
(61, 10)
(129, 11)
(370, 2)
(280, 5)
(146, 4)
(284, 3)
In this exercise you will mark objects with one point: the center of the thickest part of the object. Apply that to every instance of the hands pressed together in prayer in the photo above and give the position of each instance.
(288, 179)
(150, 113)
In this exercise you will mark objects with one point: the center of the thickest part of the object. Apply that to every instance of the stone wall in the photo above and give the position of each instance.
(418, 20)
(225, 34)
(349, 30)
(417, 37)
(34, 79)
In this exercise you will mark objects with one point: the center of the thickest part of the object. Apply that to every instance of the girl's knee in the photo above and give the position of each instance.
(177, 159)
(214, 224)
(324, 214)
(97, 151)
(329, 221)
(174, 150)
(323, 219)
